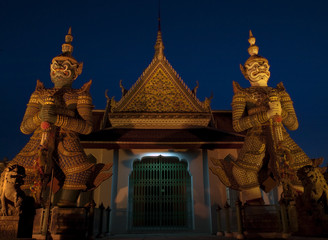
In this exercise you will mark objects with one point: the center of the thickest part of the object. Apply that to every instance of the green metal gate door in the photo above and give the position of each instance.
(160, 196)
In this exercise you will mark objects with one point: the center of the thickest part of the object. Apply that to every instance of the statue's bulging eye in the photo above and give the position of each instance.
(66, 64)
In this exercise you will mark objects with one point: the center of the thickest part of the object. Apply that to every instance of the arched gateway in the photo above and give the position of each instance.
(160, 194)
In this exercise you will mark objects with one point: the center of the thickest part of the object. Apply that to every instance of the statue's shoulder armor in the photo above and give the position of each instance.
(280, 87)
(72, 96)
(38, 95)
(39, 86)
(237, 89)
(85, 89)
(83, 94)
(281, 91)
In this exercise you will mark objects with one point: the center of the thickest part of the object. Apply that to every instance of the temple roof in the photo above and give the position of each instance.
(223, 136)
(160, 98)
(209, 138)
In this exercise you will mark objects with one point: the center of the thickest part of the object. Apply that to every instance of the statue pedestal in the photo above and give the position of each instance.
(13, 227)
(314, 225)
(68, 221)
(9, 227)
(73, 223)
(65, 223)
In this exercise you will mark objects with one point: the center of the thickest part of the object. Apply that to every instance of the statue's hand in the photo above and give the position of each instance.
(275, 109)
(48, 113)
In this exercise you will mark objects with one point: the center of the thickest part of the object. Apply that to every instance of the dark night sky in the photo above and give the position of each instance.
(204, 40)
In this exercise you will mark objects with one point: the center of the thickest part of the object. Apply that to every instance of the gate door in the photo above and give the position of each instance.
(160, 194)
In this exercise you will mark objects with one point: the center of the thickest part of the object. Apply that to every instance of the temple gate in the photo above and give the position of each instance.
(160, 194)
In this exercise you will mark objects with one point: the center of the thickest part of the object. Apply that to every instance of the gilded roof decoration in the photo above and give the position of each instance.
(159, 90)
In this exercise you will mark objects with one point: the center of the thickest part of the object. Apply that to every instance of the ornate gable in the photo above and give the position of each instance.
(160, 99)
(159, 90)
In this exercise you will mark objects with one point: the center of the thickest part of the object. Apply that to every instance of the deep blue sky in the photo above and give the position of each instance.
(204, 40)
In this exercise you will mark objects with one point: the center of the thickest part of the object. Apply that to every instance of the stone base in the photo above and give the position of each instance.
(65, 223)
(13, 227)
(69, 221)
(9, 227)
(37, 224)
(72, 223)
(314, 225)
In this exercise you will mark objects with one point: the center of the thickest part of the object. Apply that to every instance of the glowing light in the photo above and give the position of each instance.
(164, 154)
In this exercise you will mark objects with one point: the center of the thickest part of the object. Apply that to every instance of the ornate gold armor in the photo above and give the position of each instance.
(269, 155)
(74, 109)
(249, 107)
(56, 117)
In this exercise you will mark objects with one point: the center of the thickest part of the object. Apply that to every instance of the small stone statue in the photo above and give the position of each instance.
(315, 186)
(56, 117)
(11, 196)
(269, 155)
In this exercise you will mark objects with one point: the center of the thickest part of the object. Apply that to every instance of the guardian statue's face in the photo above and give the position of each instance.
(258, 72)
(63, 72)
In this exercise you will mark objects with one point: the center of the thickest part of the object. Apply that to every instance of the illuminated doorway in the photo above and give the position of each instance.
(160, 194)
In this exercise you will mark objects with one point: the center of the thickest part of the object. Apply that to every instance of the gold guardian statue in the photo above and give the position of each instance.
(268, 156)
(56, 117)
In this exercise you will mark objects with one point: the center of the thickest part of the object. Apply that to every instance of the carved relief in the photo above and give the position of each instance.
(159, 94)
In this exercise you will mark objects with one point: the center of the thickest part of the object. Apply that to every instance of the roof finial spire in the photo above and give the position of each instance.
(159, 15)
(159, 46)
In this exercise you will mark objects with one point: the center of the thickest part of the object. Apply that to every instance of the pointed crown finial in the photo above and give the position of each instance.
(253, 49)
(67, 47)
